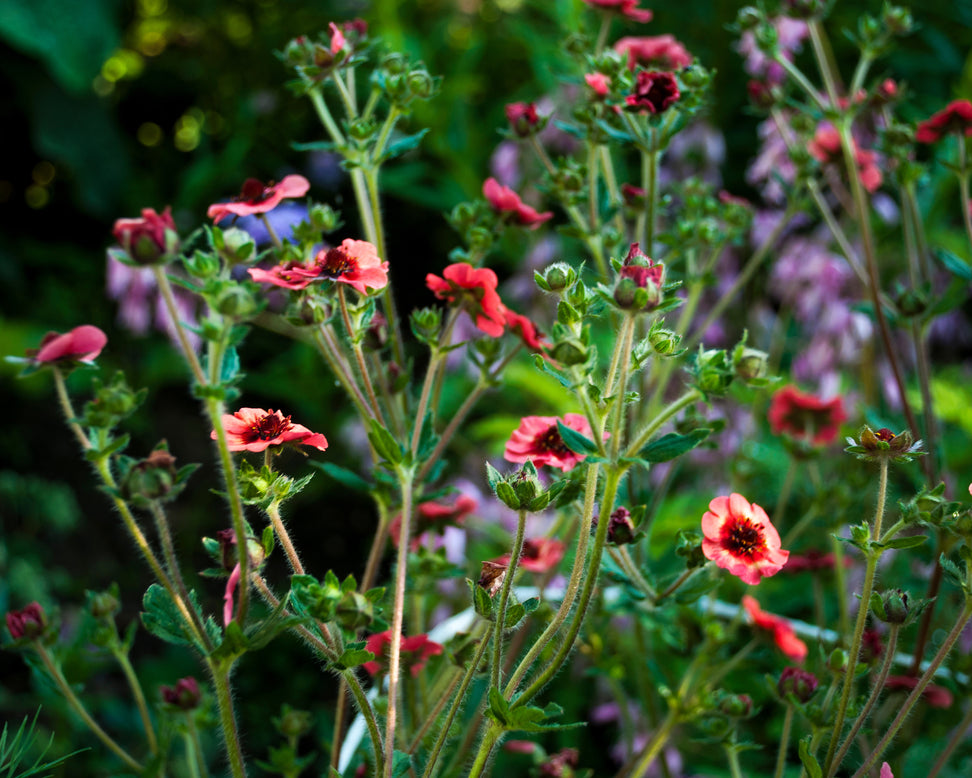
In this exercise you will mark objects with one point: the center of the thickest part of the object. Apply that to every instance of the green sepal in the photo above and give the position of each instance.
(672, 445)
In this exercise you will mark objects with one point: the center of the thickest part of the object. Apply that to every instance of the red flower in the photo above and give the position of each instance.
(825, 148)
(434, 516)
(600, 83)
(806, 417)
(627, 8)
(185, 694)
(740, 538)
(257, 197)
(415, 652)
(476, 289)
(659, 51)
(82, 344)
(936, 696)
(654, 91)
(505, 200)
(633, 196)
(954, 117)
(526, 330)
(254, 429)
(523, 118)
(28, 622)
(538, 556)
(149, 239)
(289, 275)
(538, 440)
(354, 262)
(783, 635)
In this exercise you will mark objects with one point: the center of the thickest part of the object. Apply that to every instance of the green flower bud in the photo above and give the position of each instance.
(150, 479)
(324, 218)
(664, 342)
(238, 245)
(395, 63)
(421, 84)
(891, 606)
(737, 706)
(569, 352)
(202, 264)
(293, 723)
(713, 375)
(426, 324)
(748, 18)
(362, 129)
(354, 611)
(236, 302)
(898, 20)
(557, 277)
(104, 605)
(837, 661)
(750, 364)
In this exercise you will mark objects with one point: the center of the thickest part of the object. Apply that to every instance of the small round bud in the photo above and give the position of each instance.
(559, 276)
(748, 18)
(837, 661)
(800, 683)
(104, 605)
(323, 217)
(235, 302)
(664, 342)
(293, 723)
(737, 706)
(421, 84)
(28, 623)
(751, 364)
(569, 353)
(185, 695)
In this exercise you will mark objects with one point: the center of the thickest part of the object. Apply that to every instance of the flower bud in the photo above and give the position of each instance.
(362, 129)
(151, 478)
(426, 324)
(376, 335)
(713, 374)
(891, 606)
(236, 302)
(569, 352)
(750, 364)
(556, 277)
(898, 20)
(185, 695)
(292, 723)
(298, 52)
(354, 611)
(421, 84)
(104, 605)
(323, 217)
(883, 444)
(748, 18)
(27, 623)
(837, 661)
(523, 119)
(688, 545)
(395, 63)
(238, 246)
(800, 683)
(621, 530)
(149, 240)
(737, 706)
(664, 342)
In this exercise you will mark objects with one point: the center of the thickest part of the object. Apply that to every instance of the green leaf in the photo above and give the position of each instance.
(353, 657)
(543, 367)
(579, 444)
(233, 646)
(809, 761)
(230, 368)
(384, 444)
(954, 264)
(909, 541)
(402, 145)
(401, 764)
(315, 145)
(672, 445)
(163, 619)
(344, 476)
(514, 614)
(498, 708)
(696, 587)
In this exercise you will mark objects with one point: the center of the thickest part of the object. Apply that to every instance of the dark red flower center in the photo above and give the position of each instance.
(337, 263)
(255, 191)
(884, 434)
(743, 539)
(269, 427)
(552, 442)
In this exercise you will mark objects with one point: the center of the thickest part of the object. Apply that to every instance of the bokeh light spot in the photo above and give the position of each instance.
(36, 196)
(43, 173)
(149, 134)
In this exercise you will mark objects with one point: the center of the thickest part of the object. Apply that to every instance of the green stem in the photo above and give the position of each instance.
(732, 755)
(398, 608)
(691, 396)
(227, 717)
(359, 355)
(170, 306)
(274, 238)
(959, 735)
(862, 611)
(490, 739)
(876, 689)
(329, 350)
(784, 742)
(784, 495)
(573, 584)
(500, 623)
(457, 701)
(324, 114)
(915, 694)
(655, 746)
(273, 511)
(197, 752)
(651, 199)
(824, 62)
(686, 574)
(133, 683)
(78, 707)
(68, 410)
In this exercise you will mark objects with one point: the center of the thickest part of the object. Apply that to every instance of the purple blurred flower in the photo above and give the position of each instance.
(699, 150)
(790, 33)
(772, 168)
(137, 295)
(283, 219)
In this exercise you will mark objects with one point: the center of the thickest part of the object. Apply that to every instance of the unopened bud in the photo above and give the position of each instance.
(800, 683)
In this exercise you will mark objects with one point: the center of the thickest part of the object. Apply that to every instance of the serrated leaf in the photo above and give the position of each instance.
(233, 645)
(575, 441)
(162, 618)
(541, 364)
(672, 445)
(353, 657)
(498, 708)
(514, 614)
(401, 764)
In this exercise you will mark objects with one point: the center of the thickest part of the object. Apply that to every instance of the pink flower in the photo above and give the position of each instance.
(886, 771)
(654, 91)
(659, 51)
(538, 440)
(289, 275)
(149, 239)
(600, 83)
(825, 148)
(806, 417)
(354, 262)
(935, 696)
(505, 200)
(257, 197)
(434, 516)
(28, 622)
(475, 289)
(415, 652)
(954, 117)
(540, 555)
(82, 344)
(523, 118)
(783, 635)
(254, 429)
(526, 330)
(627, 8)
(740, 538)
